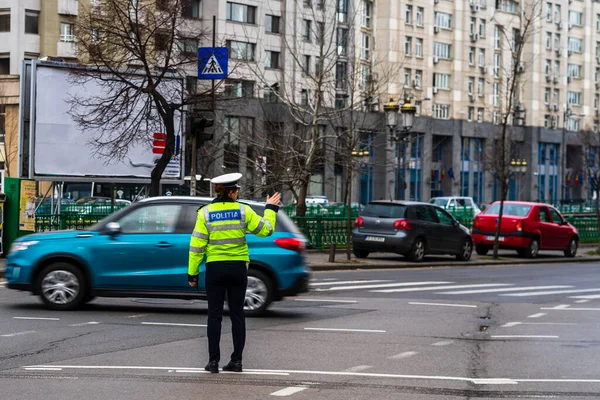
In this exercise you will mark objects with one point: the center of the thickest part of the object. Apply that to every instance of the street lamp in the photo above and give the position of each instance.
(518, 167)
(408, 112)
(391, 114)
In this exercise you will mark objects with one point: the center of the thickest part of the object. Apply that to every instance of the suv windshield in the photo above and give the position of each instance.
(517, 210)
(439, 202)
(384, 210)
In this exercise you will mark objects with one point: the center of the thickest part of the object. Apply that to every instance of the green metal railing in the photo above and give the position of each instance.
(73, 216)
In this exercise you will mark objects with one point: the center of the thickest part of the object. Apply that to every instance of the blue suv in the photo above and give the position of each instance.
(142, 251)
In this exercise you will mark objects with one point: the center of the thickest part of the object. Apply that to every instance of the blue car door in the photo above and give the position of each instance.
(145, 253)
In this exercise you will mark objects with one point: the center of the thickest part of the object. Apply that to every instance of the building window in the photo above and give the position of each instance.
(66, 32)
(342, 11)
(188, 47)
(241, 13)
(496, 94)
(443, 20)
(470, 85)
(470, 113)
(472, 23)
(441, 81)
(320, 34)
(548, 40)
(557, 10)
(32, 22)
(495, 117)
(270, 93)
(4, 65)
(480, 114)
(481, 57)
(548, 12)
(191, 9)
(419, 47)
(407, 45)
(442, 50)
(497, 37)
(318, 66)
(306, 64)
(235, 88)
(497, 58)
(367, 11)
(306, 30)
(509, 6)
(555, 96)
(409, 14)
(340, 75)
(575, 44)
(471, 55)
(482, 27)
(575, 18)
(546, 95)
(271, 59)
(419, 16)
(574, 98)
(243, 51)
(480, 86)
(272, 24)
(342, 41)
(365, 47)
(418, 77)
(407, 73)
(5, 20)
(556, 41)
(441, 111)
(574, 71)
(597, 22)
(556, 68)
(304, 97)
(573, 124)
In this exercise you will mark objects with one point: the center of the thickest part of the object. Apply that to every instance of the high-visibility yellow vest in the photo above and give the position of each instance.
(220, 232)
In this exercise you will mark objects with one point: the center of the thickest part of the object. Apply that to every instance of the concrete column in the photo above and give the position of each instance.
(426, 166)
(456, 146)
(390, 170)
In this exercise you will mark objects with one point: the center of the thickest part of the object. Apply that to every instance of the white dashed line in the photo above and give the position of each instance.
(172, 324)
(587, 297)
(246, 372)
(329, 301)
(443, 343)
(358, 368)
(511, 324)
(538, 315)
(289, 391)
(558, 307)
(511, 289)
(382, 285)
(431, 288)
(42, 369)
(347, 282)
(38, 318)
(86, 323)
(582, 301)
(524, 337)
(345, 330)
(549, 292)
(137, 316)
(441, 304)
(17, 334)
(573, 309)
(495, 381)
(406, 354)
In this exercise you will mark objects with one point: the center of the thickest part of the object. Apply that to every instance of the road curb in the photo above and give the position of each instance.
(482, 263)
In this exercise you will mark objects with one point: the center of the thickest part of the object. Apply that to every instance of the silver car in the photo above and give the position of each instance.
(412, 229)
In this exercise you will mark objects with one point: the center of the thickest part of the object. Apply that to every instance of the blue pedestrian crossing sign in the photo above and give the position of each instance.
(212, 62)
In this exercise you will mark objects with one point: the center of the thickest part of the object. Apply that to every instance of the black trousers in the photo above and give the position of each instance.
(231, 278)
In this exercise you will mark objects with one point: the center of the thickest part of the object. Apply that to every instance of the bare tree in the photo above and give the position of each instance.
(516, 38)
(135, 52)
(9, 150)
(590, 141)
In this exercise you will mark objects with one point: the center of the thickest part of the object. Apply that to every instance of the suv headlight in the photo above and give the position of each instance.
(18, 246)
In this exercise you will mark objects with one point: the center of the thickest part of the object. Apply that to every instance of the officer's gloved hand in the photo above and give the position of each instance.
(193, 280)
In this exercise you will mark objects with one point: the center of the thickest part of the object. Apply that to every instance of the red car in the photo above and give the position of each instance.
(526, 227)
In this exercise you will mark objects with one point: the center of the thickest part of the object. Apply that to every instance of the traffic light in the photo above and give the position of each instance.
(197, 129)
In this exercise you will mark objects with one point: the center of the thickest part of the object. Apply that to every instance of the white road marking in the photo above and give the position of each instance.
(572, 309)
(358, 368)
(512, 289)
(548, 292)
(587, 297)
(42, 369)
(443, 343)
(558, 307)
(86, 323)
(495, 381)
(39, 318)
(582, 301)
(172, 324)
(524, 337)
(418, 289)
(345, 330)
(511, 324)
(330, 301)
(137, 316)
(202, 371)
(406, 354)
(538, 315)
(332, 373)
(382, 285)
(441, 304)
(347, 282)
(17, 334)
(289, 391)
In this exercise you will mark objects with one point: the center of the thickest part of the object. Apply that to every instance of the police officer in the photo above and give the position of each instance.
(220, 234)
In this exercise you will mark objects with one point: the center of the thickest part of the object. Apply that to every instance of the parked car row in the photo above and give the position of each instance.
(416, 229)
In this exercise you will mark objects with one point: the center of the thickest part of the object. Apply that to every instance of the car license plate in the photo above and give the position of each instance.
(375, 239)
(491, 238)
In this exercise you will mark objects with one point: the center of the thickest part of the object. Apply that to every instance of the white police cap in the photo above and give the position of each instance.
(227, 180)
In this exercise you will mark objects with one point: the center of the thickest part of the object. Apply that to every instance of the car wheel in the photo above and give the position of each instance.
(466, 249)
(481, 249)
(571, 251)
(533, 249)
(360, 253)
(417, 252)
(259, 293)
(62, 286)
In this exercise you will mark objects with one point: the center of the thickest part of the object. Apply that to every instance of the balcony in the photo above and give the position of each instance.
(66, 49)
(68, 7)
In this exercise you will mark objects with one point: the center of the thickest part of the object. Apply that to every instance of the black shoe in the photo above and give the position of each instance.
(212, 367)
(233, 366)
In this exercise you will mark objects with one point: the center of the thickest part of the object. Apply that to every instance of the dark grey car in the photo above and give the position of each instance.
(412, 229)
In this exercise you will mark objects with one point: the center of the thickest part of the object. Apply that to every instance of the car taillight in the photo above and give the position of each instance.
(476, 223)
(359, 221)
(293, 244)
(519, 226)
(402, 224)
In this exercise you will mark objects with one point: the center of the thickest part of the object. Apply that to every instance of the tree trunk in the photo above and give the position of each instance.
(349, 208)
(597, 207)
(503, 193)
(301, 204)
(162, 163)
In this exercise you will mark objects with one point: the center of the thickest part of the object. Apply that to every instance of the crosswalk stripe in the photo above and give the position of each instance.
(587, 297)
(346, 282)
(544, 293)
(382, 285)
(439, 288)
(512, 289)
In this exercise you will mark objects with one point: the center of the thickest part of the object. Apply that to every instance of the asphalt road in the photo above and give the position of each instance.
(435, 333)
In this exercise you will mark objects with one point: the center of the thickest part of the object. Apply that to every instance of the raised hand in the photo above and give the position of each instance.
(274, 200)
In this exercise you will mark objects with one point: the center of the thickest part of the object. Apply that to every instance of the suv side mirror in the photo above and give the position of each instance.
(113, 228)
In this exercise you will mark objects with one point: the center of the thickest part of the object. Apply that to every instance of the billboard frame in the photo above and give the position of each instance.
(29, 85)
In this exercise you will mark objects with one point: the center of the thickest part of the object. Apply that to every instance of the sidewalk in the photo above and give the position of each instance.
(319, 261)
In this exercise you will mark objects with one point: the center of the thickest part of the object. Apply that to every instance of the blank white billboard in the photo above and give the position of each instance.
(63, 149)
